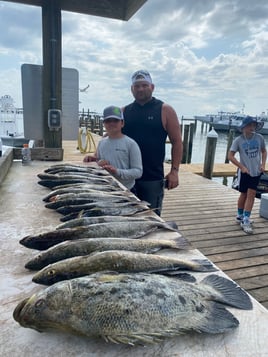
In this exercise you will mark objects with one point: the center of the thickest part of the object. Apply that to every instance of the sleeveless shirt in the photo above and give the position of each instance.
(143, 123)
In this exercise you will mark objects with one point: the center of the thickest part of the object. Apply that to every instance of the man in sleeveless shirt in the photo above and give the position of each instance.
(149, 121)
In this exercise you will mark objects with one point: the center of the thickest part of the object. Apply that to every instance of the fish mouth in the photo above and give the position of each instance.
(17, 312)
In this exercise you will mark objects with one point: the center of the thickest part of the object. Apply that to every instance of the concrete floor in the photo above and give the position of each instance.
(22, 212)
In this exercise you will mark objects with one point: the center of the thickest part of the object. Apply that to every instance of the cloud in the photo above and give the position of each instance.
(204, 56)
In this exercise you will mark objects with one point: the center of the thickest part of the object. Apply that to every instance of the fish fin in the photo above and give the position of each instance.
(202, 265)
(172, 224)
(167, 226)
(215, 319)
(228, 292)
(182, 276)
(134, 340)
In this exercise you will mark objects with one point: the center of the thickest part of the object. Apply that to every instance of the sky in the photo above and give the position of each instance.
(204, 56)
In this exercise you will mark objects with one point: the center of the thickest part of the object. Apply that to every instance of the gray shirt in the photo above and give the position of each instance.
(250, 151)
(124, 154)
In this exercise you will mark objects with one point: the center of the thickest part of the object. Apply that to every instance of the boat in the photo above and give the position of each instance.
(11, 122)
(224, 121)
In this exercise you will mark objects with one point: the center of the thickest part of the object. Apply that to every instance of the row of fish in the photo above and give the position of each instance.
(107, 278)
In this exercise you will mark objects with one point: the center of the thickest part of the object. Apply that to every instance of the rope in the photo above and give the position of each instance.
(86, 141)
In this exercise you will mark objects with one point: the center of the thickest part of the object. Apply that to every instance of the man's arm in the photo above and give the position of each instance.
(172, 126)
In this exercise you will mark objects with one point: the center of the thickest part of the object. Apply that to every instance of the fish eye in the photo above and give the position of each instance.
(39, 304)
(51, 272)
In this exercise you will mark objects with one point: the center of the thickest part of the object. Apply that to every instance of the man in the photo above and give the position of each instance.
(252, 151)
(149, 121)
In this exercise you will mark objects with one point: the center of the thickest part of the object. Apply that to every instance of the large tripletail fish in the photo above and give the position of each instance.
(116, 210)
(130, 229)
(122, 261)
(134, 308)
(86, 246)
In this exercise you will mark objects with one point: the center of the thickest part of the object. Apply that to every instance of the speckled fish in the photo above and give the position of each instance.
(87, 188)
(87, 246)
(115, 210)
(128, 229)
(54, 169)
(86, 221)
(72, 179)
(107, 187)
(122, 261)
(103, 205)
(84, 198)
(134, 308)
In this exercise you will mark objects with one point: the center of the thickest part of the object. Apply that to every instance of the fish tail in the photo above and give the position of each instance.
(228, 292)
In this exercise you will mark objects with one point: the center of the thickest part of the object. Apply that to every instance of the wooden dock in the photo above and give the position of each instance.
(205, 212)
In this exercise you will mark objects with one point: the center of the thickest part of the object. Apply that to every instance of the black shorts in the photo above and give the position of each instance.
(246, 181)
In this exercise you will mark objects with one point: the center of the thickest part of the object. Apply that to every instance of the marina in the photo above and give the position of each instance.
(225, 121)
(204, 211)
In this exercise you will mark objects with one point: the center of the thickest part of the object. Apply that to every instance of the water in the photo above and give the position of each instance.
(199, 149)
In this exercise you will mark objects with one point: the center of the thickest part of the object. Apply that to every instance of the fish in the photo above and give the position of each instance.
(86, 246)
(45, 240)
(115, 210)
(71, 175)
(54, 169)
(87, 188)
(84, 198)
(122, 261)
(107, 187)
(134, 309)
(64, 210)
(63, 180)
(86, 221)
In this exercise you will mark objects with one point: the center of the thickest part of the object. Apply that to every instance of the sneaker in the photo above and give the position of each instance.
(239, 219)
(247, 227)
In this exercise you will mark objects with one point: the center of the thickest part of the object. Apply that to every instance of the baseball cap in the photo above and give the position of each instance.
(113, 112)
(249, 120)
(141, 75)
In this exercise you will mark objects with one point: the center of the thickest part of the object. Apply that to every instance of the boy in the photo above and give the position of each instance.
(251, 148)
(116, 152)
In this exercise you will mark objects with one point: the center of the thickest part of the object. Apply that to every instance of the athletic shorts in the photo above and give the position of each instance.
(246, 181)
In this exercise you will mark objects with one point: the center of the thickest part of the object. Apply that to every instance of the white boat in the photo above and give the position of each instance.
(11, 118)
(224, 121)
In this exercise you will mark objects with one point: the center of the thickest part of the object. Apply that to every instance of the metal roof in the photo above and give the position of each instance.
(115, 9)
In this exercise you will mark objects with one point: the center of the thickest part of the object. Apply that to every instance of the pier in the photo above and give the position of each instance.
(205, 213)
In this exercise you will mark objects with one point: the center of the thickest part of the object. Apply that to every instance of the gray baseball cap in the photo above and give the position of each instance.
(113, 112)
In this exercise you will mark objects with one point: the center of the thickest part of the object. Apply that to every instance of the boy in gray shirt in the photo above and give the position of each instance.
(117, 153)
(251, 148)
